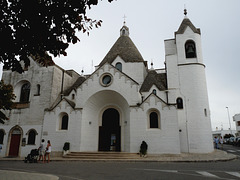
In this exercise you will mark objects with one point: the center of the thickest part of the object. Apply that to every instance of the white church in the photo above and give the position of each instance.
(119, 105)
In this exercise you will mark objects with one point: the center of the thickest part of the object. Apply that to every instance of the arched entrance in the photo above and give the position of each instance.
(14, 146)
(110, 131)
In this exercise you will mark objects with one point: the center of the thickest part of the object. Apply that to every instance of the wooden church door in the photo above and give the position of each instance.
(15, 143)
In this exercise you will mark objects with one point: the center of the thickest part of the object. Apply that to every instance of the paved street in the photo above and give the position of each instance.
(232, 149)
(109, 170)
(76, 170)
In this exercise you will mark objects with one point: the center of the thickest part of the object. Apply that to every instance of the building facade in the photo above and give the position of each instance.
(236, 118)
(119, 105)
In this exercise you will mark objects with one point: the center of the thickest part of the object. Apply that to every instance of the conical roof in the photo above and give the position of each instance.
(125, 48)
(153, 78)
(187, 23)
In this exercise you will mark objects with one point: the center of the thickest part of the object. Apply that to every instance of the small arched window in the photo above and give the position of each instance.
(1, 136)
(154, 91)
(38, 89)
(119, 66)
(179, 103)
(153, 117)
(64, 123)
(31, 137)
(25, 92)
(73, 96)
(190, 49)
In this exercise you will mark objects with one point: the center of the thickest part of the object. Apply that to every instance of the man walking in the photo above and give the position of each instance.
(41, 149)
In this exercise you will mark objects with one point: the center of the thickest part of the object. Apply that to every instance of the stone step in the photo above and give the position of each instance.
(102, 155)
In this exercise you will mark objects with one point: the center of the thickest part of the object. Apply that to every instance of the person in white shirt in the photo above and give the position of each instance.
(221, 142)
(42, 150)
(48, 151)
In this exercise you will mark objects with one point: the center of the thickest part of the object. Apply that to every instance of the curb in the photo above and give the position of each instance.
(217, 155)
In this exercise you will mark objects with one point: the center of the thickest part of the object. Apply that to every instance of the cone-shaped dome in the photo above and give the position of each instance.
(125, 48)
(187, 23)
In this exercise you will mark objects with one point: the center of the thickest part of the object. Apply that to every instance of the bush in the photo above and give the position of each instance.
(66, 146)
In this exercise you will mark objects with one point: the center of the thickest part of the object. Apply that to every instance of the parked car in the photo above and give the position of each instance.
(231, 140)
(226, 141)
(236, 141)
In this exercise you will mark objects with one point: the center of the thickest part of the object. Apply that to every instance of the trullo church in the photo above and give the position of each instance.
(119, 105)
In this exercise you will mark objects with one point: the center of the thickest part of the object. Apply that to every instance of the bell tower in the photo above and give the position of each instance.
(186, 77)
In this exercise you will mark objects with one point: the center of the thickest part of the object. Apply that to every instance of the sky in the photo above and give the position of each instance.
(151, 22)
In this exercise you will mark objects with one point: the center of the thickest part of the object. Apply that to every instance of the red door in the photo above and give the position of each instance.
(14, 145)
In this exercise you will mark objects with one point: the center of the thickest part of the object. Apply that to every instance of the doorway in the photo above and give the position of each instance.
(15, 143)
(110, 131)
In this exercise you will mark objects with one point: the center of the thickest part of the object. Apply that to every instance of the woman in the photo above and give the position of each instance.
(48, 151)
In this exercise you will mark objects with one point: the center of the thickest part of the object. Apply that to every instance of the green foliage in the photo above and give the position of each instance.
(6, 97)
(38, 26)
(66, 146)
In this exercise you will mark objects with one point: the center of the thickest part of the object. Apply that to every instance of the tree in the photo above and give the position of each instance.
(6, 98)
(41, 27)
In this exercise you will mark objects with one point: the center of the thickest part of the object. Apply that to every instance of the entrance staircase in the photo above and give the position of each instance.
(102, 155)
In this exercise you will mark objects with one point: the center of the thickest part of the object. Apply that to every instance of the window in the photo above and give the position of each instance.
(119, 66)
(205, 112)
(64, 123)
(106, 79)
(73, 96)
(25, 92)
(31, 137)
(190, 49)
(1, 136)
(238, 124)
(154, 92)
(179, 103)
(153, 118)
(38, 89)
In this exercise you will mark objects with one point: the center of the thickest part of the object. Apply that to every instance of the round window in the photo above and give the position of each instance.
(106, 80)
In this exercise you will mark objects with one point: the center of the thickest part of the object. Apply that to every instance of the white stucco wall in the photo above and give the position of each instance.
(163, 140)
(52, 131)
(137, 70)
(24, 150)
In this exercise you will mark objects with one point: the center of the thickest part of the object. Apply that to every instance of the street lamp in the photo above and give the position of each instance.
(229, 120)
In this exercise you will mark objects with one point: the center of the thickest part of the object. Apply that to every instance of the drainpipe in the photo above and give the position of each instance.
(42, 129)
(165, 64)
(167, 96)
(62, 84)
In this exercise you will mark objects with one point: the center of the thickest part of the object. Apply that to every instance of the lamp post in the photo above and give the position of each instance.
(229, 120)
